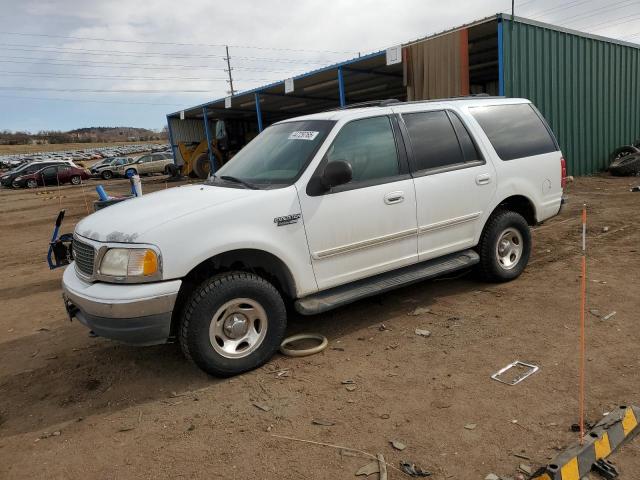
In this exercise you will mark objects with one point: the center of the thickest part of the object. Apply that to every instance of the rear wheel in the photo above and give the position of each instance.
(31, 183)
(232, 323)
(107, 174)
(505, 246)
(201, 166)
(76, 180)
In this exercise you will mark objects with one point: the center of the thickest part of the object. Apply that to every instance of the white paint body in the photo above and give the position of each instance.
(340, 237)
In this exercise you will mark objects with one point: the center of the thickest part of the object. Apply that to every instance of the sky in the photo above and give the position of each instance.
(67, 64)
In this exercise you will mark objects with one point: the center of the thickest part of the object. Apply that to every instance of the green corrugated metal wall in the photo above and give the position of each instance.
(588, 89)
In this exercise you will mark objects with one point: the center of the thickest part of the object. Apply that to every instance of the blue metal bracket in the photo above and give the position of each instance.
(258, 111)
(212, 160)
(343, 101)
(500, 58)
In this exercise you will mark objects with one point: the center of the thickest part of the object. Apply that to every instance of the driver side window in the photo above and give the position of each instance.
(369, 146)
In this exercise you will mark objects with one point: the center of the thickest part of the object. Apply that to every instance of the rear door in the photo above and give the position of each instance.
(454, 182)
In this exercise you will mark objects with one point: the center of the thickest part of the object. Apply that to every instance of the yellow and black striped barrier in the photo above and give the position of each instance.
(606, 436)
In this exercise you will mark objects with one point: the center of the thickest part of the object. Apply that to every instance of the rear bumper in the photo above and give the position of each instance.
(136, 314)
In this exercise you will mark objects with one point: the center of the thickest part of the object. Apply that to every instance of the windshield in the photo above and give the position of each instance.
(278, 155)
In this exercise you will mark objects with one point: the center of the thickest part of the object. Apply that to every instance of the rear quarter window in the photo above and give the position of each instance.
(515, 131)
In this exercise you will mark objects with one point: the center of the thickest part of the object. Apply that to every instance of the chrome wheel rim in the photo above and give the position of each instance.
(509, 248)
(238, 328)
(75, 180)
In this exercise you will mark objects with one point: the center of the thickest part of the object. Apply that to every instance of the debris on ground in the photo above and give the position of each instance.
(609, 315)
(423, 333)
(595, 312)
(261, 406)
(413, 470)
(605, 229)
(382, 466)
(324, 423)
(397, 445)
(369, 469)
(492, 476)
(524, 468)
(470, 426)
(635, 189)
(419, 311)
(350, 388)
(348, 381)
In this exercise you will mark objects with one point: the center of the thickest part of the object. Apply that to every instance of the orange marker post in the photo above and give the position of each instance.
(583, 291)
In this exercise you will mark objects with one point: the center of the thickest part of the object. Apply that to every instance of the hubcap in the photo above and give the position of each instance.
(238, 328)
(509, 248)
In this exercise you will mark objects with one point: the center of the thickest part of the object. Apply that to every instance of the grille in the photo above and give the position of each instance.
(84, 256)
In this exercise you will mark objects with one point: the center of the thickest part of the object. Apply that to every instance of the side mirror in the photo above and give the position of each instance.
(336, 173)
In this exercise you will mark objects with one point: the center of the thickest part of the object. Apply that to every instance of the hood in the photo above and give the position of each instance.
(130, 219)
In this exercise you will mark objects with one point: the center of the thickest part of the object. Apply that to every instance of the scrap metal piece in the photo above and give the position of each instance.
(605, 469)
(530, 370)
(606, 436)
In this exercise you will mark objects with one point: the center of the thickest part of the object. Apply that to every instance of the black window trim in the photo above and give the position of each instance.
(401, 152)
(446, 168)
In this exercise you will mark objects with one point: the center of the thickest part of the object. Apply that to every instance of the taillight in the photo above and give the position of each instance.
(563, 172)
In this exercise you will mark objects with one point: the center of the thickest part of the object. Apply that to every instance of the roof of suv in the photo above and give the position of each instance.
(369, 108)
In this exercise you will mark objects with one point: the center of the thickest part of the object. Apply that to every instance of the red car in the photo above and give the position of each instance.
(52, 175)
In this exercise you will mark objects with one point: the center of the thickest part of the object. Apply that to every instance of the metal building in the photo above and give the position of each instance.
(587, 86)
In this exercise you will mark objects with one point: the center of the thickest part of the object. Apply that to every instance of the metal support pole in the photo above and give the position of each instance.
(212, 160)
(173, 147)
(258, 111)
(500, 59)
(343, 102)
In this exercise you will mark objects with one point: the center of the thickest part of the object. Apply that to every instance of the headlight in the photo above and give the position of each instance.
(130, 263)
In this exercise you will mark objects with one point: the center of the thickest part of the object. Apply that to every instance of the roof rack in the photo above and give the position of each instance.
(394, 101)
(370, 103)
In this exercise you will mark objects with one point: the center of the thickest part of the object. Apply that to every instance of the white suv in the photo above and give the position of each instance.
(318, 211)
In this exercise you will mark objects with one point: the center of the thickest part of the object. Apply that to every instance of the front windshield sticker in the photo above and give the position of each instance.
(303, 135)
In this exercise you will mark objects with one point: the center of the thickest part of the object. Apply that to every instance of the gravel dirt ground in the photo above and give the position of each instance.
(74, 407)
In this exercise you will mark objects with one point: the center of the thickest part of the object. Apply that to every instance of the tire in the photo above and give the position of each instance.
(215, 347)
(167, 170)
(76, 180)
(625, 166)
(623, 151)
(201, 166)
(31, 183)
(505, 247)
(130, 172)
(106, 174)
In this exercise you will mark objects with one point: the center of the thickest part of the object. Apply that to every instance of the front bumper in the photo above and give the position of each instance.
(136, 314)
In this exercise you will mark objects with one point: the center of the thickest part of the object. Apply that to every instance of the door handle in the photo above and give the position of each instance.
(483, 179)
(394, 197)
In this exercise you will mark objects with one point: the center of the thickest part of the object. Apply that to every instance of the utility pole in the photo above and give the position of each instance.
(228, 70)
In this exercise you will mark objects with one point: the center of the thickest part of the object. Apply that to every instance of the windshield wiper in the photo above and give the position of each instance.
(229, 178)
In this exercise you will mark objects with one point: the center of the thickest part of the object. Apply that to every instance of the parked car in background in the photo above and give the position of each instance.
(106, 168)
(52, 175)
(147, 164)
(28, 168)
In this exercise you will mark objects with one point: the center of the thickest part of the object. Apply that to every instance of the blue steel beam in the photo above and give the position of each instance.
(343, 101)
(500, 58)
(212, 162)
(173, 147)
(258, 111)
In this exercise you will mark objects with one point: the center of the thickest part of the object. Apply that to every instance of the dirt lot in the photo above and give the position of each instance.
(78, 407)
(58, 147)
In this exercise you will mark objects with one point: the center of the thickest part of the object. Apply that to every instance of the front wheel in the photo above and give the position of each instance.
(32, 183)
(233, 322)
(505, 247)
(106, 175)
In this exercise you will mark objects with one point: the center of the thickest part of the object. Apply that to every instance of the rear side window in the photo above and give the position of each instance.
(515, 131)
(438, 140)
(369, 146)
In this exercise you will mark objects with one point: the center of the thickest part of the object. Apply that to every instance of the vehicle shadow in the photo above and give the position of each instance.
(101, 376)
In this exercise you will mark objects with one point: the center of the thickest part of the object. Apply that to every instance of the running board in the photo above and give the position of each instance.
(384, 282)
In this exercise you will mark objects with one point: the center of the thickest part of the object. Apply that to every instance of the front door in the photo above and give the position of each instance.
(368, 225)
(454, 183)
(49, 176)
